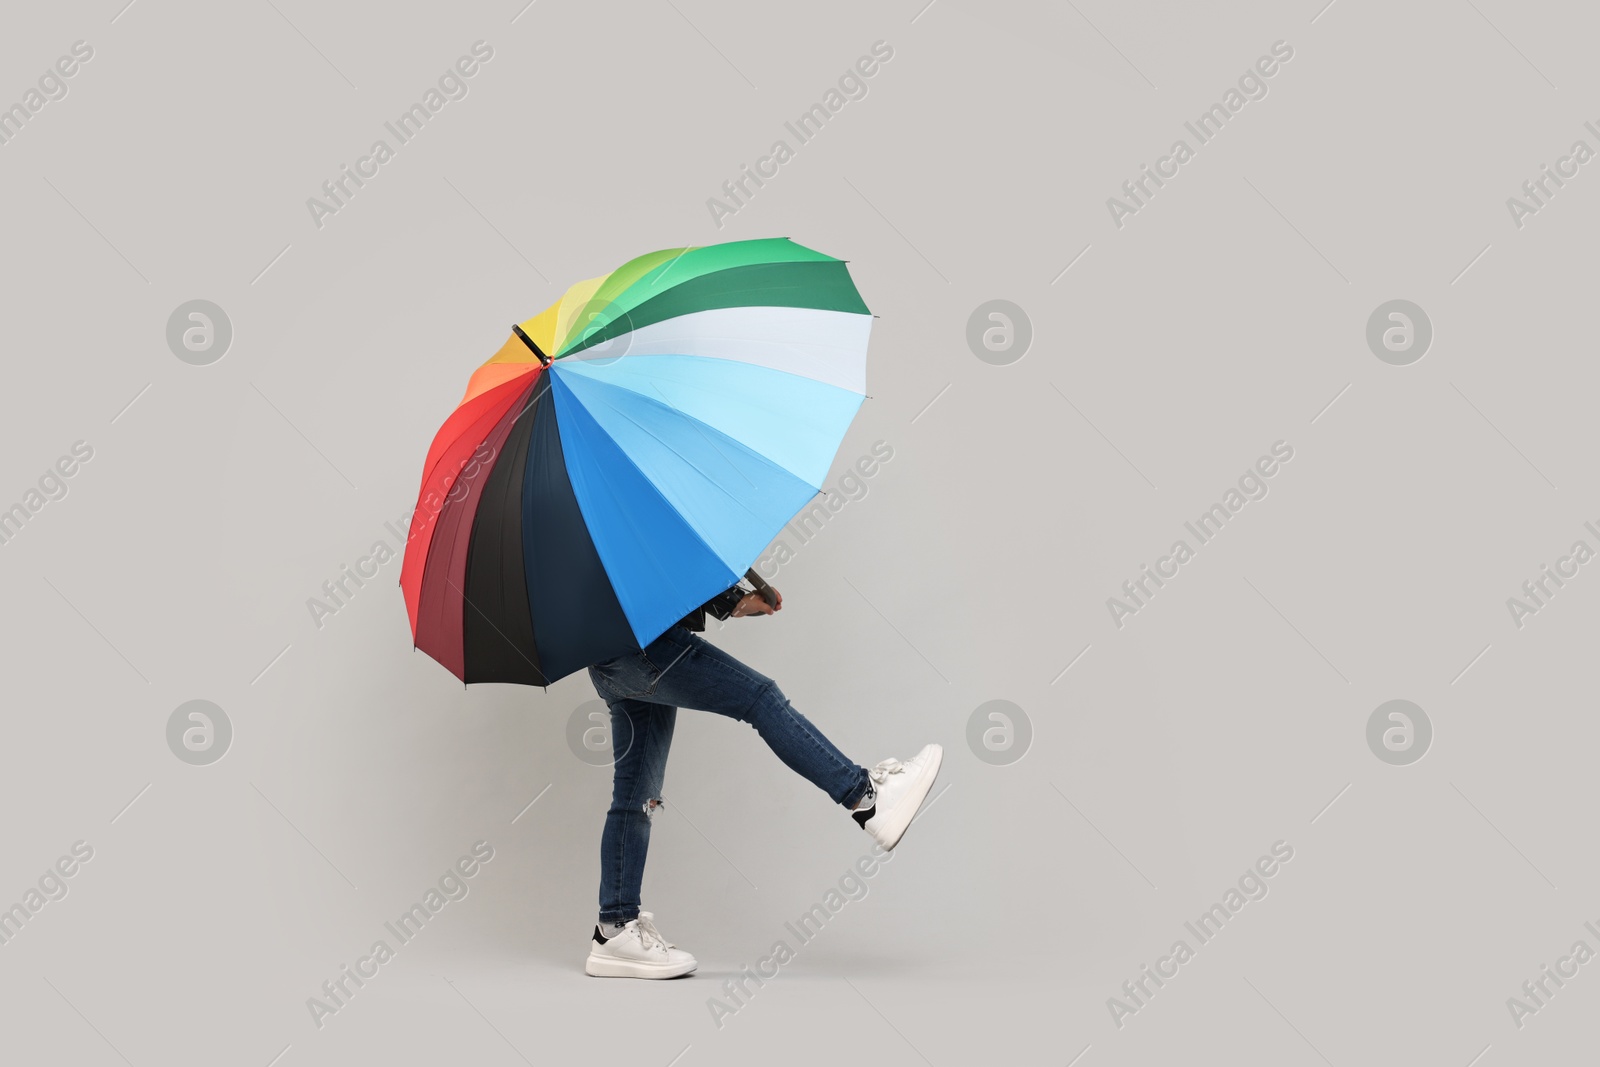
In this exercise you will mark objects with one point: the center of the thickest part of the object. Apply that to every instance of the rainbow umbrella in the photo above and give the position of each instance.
(628, 454)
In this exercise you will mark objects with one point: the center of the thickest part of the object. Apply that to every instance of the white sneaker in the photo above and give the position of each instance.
(901, 789)
(639, 951)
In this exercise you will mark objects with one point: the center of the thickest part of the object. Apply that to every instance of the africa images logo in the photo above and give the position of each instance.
(1251, 886)
(852, 85)
(452, 85)
(453, 885)
(1252, 486)
(1252, 85)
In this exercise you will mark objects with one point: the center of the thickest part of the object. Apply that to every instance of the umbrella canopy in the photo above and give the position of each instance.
(627, 455)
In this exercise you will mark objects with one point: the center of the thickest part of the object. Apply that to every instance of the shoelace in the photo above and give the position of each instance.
(881, 772)
(649, 933)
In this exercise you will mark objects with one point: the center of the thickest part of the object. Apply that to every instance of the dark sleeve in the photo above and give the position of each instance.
(721, 606)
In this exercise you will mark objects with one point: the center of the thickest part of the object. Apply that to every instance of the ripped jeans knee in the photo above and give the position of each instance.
(652, 805)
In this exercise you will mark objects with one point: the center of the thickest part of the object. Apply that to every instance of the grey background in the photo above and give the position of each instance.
(1229, 714)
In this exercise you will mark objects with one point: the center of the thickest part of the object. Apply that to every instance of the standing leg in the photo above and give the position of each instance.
(641, 734)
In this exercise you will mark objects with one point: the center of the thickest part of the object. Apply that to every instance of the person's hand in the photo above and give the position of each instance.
(756, 604)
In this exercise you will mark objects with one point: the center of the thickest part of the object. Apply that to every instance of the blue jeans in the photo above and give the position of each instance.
(644, 691)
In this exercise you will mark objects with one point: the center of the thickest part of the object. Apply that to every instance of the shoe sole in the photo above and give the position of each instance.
(599, 967)
(903, 822)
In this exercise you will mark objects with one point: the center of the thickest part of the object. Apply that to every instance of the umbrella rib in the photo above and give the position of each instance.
(578, 357)
(664, 444)
(729, 337)
(691, 418)
(695, 423)
(528, 406)
(468, 601)
(590, 328)
(428, 473)
(648, 286)
(641, 535)
(811, 363)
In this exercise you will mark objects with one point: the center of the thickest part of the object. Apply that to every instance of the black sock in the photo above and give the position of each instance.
(867, 806)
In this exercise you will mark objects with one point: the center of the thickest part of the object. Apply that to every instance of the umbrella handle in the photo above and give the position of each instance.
(769, 594)
(544, 360)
